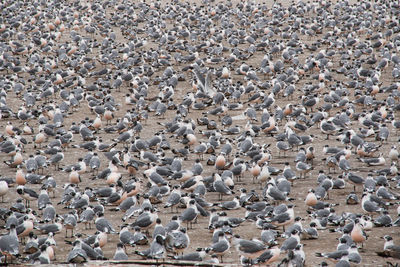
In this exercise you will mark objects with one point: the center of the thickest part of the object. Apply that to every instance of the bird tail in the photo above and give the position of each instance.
(382, 254)
(8, 163)
(137, 252)
(284, 262)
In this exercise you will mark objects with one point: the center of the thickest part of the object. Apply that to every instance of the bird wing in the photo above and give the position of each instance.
(173, 199)
(126, 237)
(9, 244)
(143, 221)
(248, 246)
(280, 218)
(220, 246)
(220, 187)
(156, 250)
(181, 240)
(289, 244)
(208, 88)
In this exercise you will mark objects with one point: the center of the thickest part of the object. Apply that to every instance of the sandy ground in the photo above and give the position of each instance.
(199, 235)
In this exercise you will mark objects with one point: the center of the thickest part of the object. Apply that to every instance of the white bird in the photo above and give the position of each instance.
(3, 190)
(394, 154)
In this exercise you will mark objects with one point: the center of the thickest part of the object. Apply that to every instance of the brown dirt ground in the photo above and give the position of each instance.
(199, 236)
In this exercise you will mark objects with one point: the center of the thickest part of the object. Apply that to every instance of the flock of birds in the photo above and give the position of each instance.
(166, 117)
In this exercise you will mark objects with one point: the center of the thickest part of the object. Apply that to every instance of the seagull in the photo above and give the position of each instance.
(344, 164)
(9, 244)
(250, 249)
(70, 222)
(77, 254)
(177, 241)
(221, 247)
(139, 238)
(394, 154)
(273, 193)
(120, 254)
(284, 218)
(291, 242)
(303, 168)
(220, 187)
(230, 205)
(328, 128)
(297, 225)
(199, 255)
(368, 205)
(357, 234)
(146, 220)
(204, 84)
(352, 199)
(43, 198)
(382, 192)
(156, 250)
(55, 227)
(269, 256)
(103, 225)
(295, 257)
(44, 257)
(32, 245)
(159, 228)
(3, 190)
(310, 232)
(383, 220)
(27, 193)
(189, 215)
(311, 198)
(87, 217)
(264, 174)
(354, 179)
(282, 146)
(220, 162)
(389, 248)
(126, 237)
(380, 161)
(56, 160)
(334, 256)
